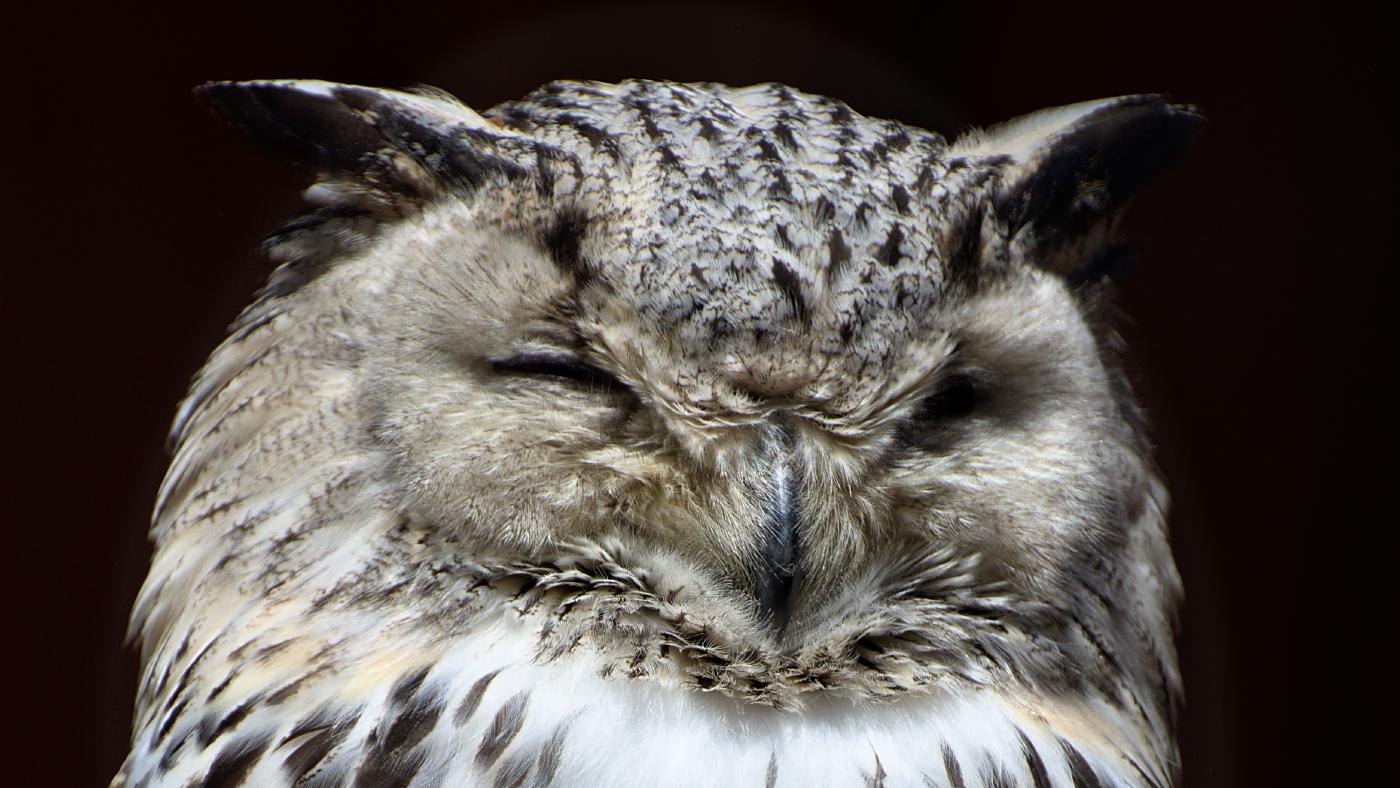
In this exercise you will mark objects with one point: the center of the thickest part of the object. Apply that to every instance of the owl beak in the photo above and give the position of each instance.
(776, 583)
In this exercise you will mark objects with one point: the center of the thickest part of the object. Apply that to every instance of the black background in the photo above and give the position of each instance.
(1256, 305)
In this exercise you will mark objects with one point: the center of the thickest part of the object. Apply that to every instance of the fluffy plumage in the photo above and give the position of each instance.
(678, 434)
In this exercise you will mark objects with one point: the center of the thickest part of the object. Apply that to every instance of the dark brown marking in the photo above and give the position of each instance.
(994, 776)
(228, 722)
(160, 685)
(513, 772)
(407, 686)
(924, 182)
(413, 723)
(847, 331)
(1098, 644)
(172, 752)
(267, 651)
(547, 761)
(863, 213)
(515, 116)
(1080, 772)
(473, 699)
(597, 138)
(185, 675)
(394, 757)
(767, 151)
(953, 768)
(779, 189)
(964, 249)
(785, 136)
(791, 287)
(1143, 774)
(708, 132)
(838, 252)
(292, 687)
(170, 719)
(781, 231)
(235, 761)
(504, 726)
(183, 649)
(668, 157)
(901, 199)
(647, 115)
(323, 717)
(315, 747)
(382, 769)
(544, 172)
(1039, 777)
(562, 238)
(888, 252)
(771, 779)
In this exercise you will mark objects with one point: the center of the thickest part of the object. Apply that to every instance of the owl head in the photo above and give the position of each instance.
(840, 396)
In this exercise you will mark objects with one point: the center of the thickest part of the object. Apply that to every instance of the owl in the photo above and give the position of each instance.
(669, 434)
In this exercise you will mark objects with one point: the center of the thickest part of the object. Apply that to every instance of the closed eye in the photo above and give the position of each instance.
(563, 367)
(956, 398)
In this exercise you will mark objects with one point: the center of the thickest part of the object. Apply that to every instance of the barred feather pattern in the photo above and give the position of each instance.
(315, 616)
(536, 657)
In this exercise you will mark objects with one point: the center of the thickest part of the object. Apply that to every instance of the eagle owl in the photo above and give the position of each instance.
(668, 434)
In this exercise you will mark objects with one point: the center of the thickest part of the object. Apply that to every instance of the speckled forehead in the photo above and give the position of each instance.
(758, 204)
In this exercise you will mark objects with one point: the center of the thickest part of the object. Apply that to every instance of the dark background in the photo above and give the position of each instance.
(1256, 306)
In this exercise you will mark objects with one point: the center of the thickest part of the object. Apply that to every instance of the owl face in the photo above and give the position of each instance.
(777, 343)
(729, 390)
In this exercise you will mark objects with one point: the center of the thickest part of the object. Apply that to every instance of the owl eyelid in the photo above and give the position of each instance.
(956, 397)
(552, 365)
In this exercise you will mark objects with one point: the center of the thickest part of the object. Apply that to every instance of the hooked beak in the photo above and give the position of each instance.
(776, 582)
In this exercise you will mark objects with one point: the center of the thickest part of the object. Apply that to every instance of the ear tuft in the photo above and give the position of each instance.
(383, 145)
(303, 119)
(1072, 168)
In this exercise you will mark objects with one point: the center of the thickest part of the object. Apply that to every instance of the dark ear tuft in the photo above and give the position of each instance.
(387, 144)
(312, 126)
(1074, 167)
